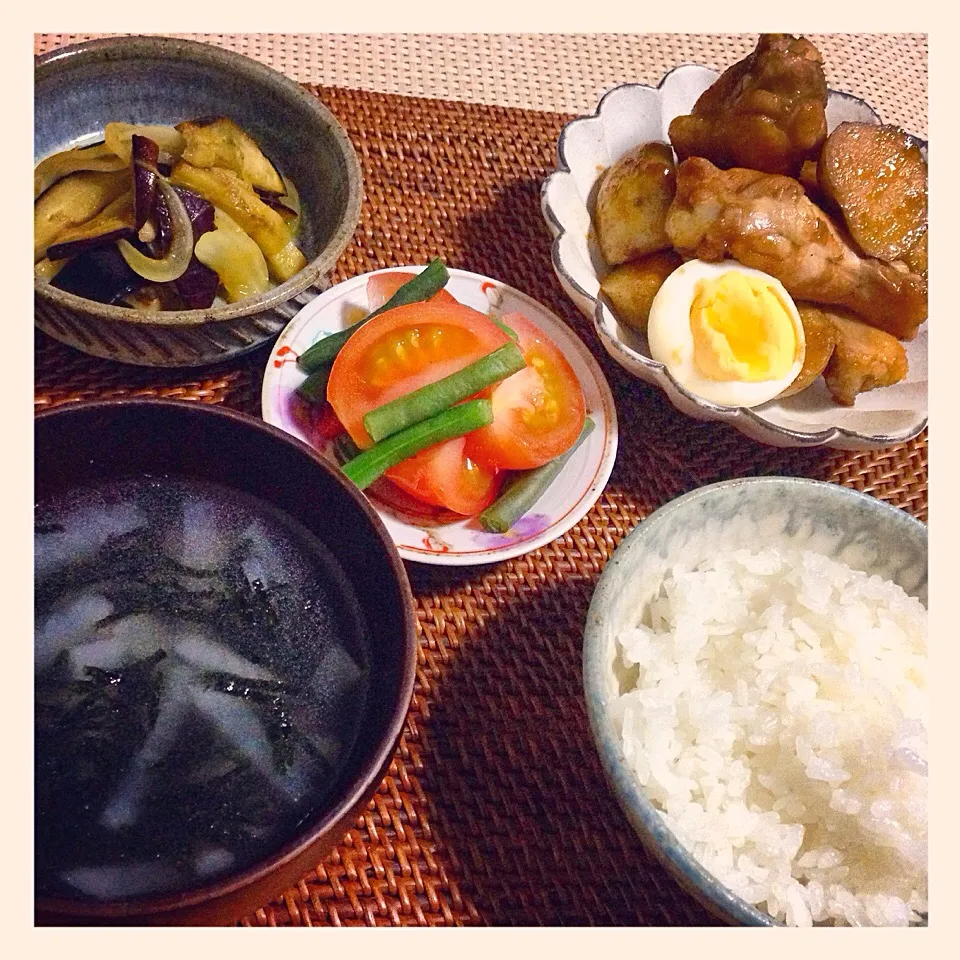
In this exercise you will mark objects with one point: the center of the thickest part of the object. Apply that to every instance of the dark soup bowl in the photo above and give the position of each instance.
(224, 656)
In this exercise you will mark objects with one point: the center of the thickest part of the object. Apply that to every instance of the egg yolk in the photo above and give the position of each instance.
(741, 329)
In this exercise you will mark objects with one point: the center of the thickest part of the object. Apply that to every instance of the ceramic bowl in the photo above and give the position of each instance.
(116, 439)
(753, 513)
(632, 114)
(79, 89)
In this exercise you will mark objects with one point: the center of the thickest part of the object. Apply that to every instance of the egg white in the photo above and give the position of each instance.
(671, 341)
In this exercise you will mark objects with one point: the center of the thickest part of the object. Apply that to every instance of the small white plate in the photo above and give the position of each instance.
(432, 539)
(632, 114)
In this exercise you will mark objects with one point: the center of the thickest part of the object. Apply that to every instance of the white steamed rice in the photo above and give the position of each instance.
(773, 707)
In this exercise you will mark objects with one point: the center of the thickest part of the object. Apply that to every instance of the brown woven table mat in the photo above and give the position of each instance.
(495, 808)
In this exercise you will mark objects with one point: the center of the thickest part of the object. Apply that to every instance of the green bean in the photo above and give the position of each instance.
(455, 422)
(423, 286)
(433, 398)
(523, 490)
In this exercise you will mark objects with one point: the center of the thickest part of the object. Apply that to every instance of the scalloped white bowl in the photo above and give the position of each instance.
(632, 114)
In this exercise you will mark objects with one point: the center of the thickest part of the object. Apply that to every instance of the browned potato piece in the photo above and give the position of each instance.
(821, 338)
(632, 286)
(808, 179)
(916, 256)
(878, 178)
(813, 190)
(632, 203)
(864, 358)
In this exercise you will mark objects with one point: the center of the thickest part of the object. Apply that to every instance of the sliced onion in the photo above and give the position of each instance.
(177, 259)
(235, 257)
(47, 269)
(292, 200)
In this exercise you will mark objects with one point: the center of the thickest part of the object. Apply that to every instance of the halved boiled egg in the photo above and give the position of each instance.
(727, 333)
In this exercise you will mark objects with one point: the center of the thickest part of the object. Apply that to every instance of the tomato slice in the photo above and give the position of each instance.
(538, 413)
(445, 476)
(402, 350)
(382, 286)
(398, 352)
(318, 424)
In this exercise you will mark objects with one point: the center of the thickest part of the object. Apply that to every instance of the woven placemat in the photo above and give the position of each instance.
(495, 809)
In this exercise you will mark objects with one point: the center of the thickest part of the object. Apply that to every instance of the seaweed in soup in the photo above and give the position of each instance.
(84, 724)
(185, 724)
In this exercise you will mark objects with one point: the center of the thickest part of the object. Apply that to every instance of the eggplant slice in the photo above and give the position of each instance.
(221, 143)
(103, 228)
(71, 202)
(100, 274)
(98, 157)
(113, 222)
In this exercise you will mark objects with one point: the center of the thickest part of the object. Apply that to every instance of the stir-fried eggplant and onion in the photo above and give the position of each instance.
(165, 218)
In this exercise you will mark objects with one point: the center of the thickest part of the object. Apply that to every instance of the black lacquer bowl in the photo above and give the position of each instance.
(114, 440)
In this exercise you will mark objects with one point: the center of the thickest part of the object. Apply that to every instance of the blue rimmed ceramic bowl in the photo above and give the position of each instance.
(756, 512)
(79, 89)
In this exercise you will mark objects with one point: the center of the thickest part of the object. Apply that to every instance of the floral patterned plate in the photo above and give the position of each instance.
(444, 538)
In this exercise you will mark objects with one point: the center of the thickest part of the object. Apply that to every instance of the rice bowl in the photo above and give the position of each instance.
(760, 707)
(778, 719)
